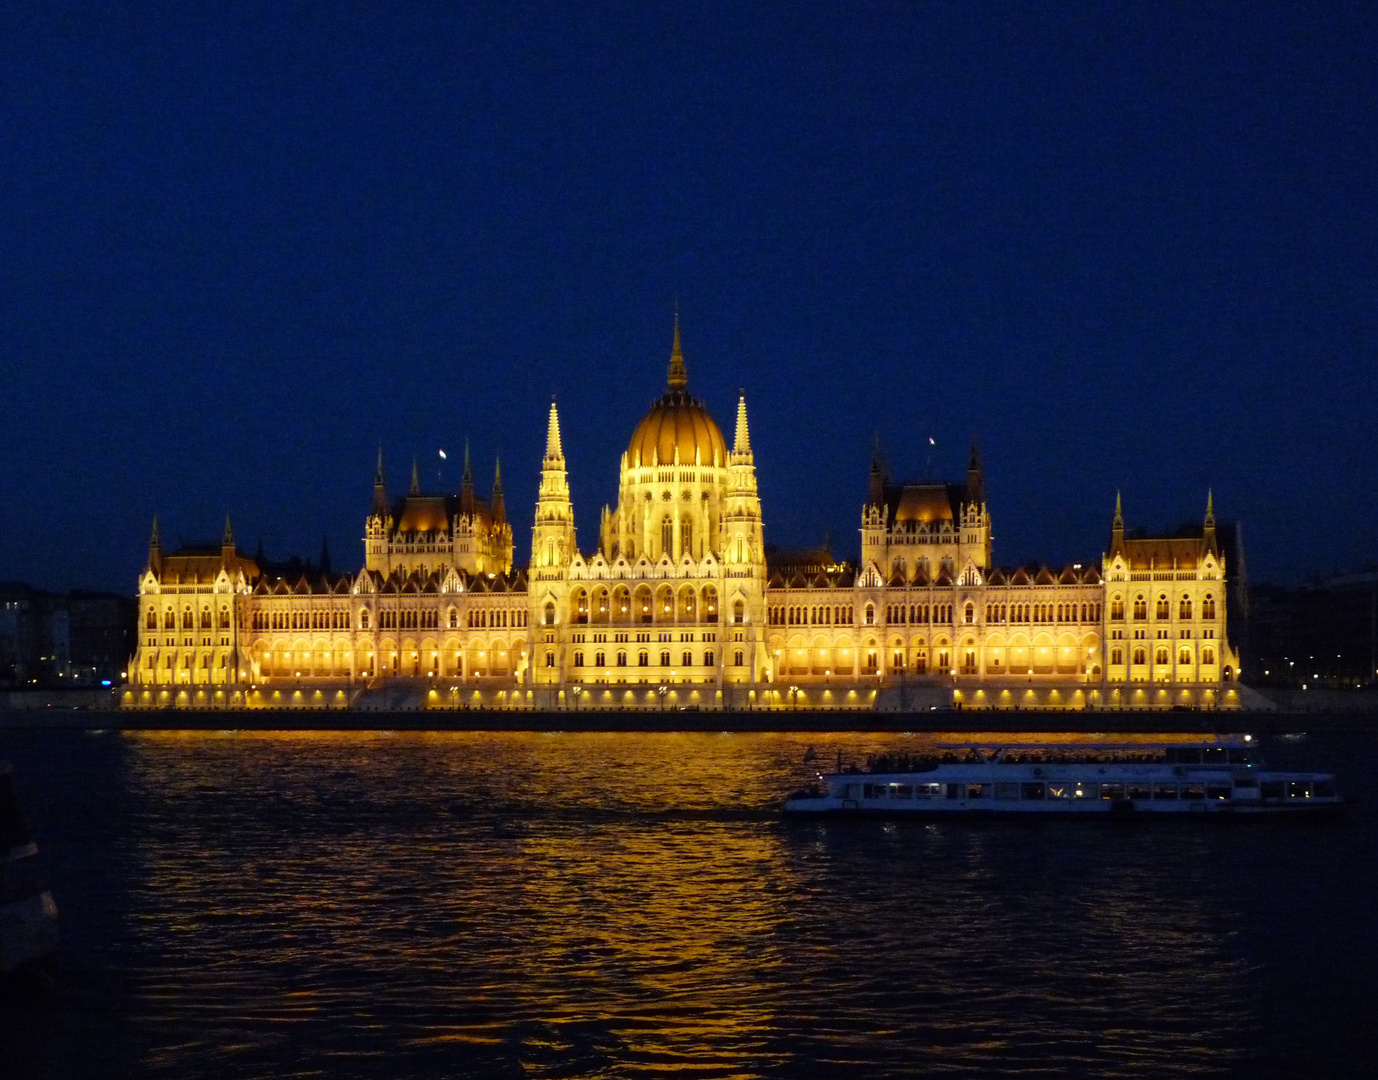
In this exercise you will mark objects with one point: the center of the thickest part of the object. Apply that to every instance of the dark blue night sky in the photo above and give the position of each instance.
(1128, 246)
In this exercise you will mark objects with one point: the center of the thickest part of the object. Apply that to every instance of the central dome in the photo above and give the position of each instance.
(677, 423)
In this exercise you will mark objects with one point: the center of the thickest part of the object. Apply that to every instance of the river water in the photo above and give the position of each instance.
(632, 905)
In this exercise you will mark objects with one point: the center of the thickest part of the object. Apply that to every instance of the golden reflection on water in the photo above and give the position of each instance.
(589, 904)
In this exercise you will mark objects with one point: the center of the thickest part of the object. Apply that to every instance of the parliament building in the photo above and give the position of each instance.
(680, 604)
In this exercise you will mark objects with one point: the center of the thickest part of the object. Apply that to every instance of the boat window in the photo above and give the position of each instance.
(1006, 790)
(873, 791)
(1164, 791)
(1217, 791)
(978, 791)
(1194, 791)
(1112, 791)
(1031, 791)
(954, 791)
(1323, 789)
(901, 791)
(1240, 757)
(1270, 789)
(1059, 790)
(850, 791)
(1085, 791)
(1298, 789)
(928, 791)
(1214, 755)
(1139, 791)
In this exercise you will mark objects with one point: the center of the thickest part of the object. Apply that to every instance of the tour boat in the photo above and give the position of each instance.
(1222, 776)
(28, 915)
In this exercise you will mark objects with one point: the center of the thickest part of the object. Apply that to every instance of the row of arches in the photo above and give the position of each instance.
(666, 603)
(1162, 608)
(445, 658)
(811, 615)
(190, 619)
(1162, 655)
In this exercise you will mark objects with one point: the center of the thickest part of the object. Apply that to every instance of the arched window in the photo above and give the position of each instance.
(599, 658)
(686, 535)
(738, 611)
(1161, 655)
(454, 619)
(1162, 612)
(1208, 607)
(1184, 656)
(363, 620)
(579, 658)
(550, 613)
(1207, 655)
(550, 659)
(1184, 608)
(621, 658)
(151, 623)
(1140, 607)
(688, 658)
(870, 615)
(667, 535)
(707, 657)
(643, 659)
(737, 658)
(1139, 655)
(664, 657)
(1117, 656)
(969, 614)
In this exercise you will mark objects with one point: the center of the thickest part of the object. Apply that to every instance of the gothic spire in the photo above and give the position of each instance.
(1210, 507)
(877, 492)
(466, 485)
(153, 542)
(976, 477)
(415, 476)
(228, 539)
(742, 442)
(380, 492)
(678, 377)
(499, 503)
(553, 449)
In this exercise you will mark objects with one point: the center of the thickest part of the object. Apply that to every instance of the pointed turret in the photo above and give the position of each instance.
(1208, 531)
(876, 495)
(741, 443)
(415, 476)
(155, 549)
(466, 484)
(976, 477)
(1117, 527)
(679, 378)
(499, 504)
(380, 491)
(227, 550)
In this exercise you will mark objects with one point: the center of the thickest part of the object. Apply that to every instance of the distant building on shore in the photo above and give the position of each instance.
(678, 603)
(54, 641)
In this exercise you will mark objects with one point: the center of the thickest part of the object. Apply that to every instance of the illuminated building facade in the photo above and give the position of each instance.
(679, 604)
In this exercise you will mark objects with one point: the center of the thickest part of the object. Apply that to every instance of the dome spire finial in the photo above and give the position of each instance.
(678, 377)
